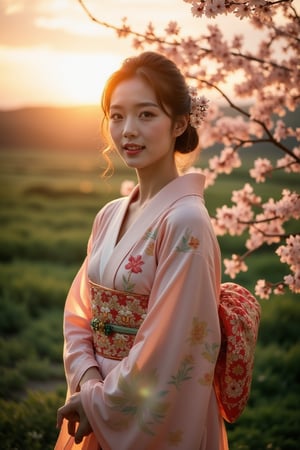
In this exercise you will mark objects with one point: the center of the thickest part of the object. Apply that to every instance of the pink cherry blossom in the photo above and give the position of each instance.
(245, 196)
(234, 266)
(263, 289)
(280, 131)
(293, 281)
(288, 163)
(262, 166)
(172, 28)
(290, 253)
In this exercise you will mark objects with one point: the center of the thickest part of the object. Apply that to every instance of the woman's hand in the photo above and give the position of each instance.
(73, 412)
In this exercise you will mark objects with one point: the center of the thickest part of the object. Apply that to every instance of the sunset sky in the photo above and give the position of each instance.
(53, 54)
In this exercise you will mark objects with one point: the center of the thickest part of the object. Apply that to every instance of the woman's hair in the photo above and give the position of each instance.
(170, 88)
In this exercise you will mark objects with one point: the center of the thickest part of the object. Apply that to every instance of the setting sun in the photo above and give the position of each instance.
(57, 78)
(52, 54)
(82, 77)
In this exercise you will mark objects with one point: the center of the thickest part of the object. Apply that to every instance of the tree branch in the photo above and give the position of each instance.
(270, 139)
(126, 30)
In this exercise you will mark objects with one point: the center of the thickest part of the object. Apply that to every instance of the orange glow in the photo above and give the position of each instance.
(82, 77)
(53, 54)
(55, 78)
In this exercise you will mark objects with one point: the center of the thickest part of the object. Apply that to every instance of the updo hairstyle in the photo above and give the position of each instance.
(169, 86)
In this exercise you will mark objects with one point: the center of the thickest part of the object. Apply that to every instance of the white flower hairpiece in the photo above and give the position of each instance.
(199, 106)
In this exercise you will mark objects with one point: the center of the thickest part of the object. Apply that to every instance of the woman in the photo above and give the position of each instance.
(141, 324)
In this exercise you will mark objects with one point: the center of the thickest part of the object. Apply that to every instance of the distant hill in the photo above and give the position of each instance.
(75, 128)
(71, 128)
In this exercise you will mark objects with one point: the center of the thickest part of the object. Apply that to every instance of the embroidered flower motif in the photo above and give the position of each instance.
(175, 437)
(125, 315)
(105, 310)
(206, 379)
(184, 372)
(150, 236)
(134, 264)
(238, 370)
(211, 352)
(188, 242)
(193, 243)
(150, 249)
(234, 388)
(198, 332)
(138, 397)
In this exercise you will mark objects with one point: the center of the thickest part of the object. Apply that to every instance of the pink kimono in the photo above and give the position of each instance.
(160, 396)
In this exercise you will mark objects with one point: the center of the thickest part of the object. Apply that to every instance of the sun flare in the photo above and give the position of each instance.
(84, 76)
(53, 77)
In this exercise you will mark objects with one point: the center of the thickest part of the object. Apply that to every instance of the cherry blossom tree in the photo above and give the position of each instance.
(267, 78)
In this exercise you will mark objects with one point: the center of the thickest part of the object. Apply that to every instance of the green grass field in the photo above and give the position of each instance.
(48, 203)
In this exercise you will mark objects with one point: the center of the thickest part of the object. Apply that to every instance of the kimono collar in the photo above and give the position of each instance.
(188, 184)
(185, 185)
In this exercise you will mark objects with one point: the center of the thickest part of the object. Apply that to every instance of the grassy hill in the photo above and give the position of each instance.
(74, 128)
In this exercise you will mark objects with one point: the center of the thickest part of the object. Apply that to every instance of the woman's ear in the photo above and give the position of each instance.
(180, 125)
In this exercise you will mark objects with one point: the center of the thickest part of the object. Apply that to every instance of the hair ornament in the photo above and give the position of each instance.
(199, 106)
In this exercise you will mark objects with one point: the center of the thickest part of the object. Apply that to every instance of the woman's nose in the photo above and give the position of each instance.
(130, 128)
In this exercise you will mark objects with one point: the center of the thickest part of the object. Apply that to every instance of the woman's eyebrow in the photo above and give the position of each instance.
(138, 105)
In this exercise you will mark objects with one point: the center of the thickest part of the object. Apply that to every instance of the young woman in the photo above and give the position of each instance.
(141, 324)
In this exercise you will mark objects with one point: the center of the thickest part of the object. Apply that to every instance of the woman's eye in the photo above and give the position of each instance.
(115, 116)
(147, 115)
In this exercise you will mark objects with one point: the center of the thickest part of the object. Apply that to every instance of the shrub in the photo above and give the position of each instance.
(29, 425)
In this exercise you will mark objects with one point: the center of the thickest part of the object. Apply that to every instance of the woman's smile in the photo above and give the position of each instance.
(133, 149)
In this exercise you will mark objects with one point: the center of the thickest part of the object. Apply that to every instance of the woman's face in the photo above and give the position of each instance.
(142, 132)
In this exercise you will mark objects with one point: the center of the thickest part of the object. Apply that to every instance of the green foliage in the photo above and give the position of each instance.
(33, 286)
(272, 426)
(29, 424)
(280, 319)
(47, 207)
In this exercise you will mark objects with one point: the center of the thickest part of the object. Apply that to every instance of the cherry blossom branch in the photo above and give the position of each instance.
(126, 30)
(270, 139)
(294, 11)
(285, 166)
(257, 221)
(281, 236)
(230, 102)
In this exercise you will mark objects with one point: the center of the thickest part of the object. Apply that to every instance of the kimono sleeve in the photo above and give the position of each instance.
(78, 342)
(161, 395)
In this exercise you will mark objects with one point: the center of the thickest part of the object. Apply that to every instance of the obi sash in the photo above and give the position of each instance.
(118, 315)
(116, 318)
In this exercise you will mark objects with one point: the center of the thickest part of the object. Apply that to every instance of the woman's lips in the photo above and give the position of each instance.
(132, 149)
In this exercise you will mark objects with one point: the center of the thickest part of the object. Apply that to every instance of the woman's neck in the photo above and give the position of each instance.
(150, 185)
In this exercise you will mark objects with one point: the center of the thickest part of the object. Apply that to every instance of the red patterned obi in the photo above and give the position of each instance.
(239, 314)
(116, 318)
